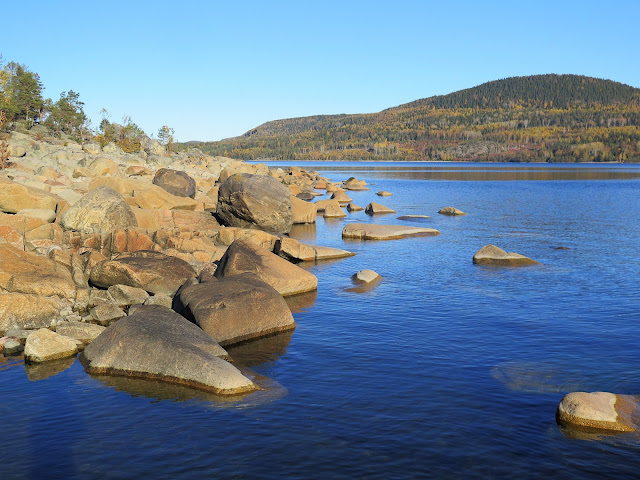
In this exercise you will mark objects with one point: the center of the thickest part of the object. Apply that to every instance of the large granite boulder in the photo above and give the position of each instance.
(302, 212)
(175, 182)
(236, 308)
(157, 343)
(495, 256)
(100, 211)
(600, 410)
(25, 311)
(154, 272)
(44, 345)
(15, 197)
(28, 273)
(368, 231)
(245, 256)
(255, 201)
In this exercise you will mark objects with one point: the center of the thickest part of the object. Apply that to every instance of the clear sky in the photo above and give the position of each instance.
(215, 69)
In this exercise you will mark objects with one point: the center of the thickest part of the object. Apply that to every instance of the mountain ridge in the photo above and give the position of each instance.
(550, 117)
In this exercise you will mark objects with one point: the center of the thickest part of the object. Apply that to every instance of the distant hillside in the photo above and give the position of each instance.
(535, 118)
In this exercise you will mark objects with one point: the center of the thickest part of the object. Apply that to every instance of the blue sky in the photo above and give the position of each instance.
(213, 69)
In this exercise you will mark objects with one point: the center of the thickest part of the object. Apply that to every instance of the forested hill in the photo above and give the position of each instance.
(535, 118)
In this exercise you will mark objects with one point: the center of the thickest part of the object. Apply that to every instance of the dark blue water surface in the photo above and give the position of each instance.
(445, 370)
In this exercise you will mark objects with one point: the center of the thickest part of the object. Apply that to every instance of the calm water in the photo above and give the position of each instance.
(445, 370)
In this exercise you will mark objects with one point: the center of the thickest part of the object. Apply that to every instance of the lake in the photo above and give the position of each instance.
(445, 370)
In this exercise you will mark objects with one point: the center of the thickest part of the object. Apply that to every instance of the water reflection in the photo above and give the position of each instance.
(40, 371)
(477, 171)
(303, 232)
(260, 351)
(301, 302)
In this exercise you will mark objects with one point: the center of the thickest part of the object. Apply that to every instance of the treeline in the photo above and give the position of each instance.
(22, 106)
(542, 118)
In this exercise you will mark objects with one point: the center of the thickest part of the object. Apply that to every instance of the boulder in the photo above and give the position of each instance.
(28, 273)
(15, 197)
(175, 182)
(100, 211)
(375, 208)
(125, 295)
(302, 212)
(24, 311)
(236, 308)
(154, 272)
(45, 215)
(367, 231)
(601, 410)
(383, 193)
(451, 211)
(44, 345)
(255, 201)
(287, 278)
(157, 343)
(494, 256)
(331, 210)
(341, 197)
(355, 184)
(153, 197)
(321, 205)
(365, 276)
(106, 314)
(84, 333)
(352, 207)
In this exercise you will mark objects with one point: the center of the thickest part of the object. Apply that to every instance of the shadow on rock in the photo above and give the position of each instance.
(40, 371)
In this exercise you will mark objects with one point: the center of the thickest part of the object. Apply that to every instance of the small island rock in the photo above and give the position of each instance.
(495, 256)
(451, 211)
(601, 410)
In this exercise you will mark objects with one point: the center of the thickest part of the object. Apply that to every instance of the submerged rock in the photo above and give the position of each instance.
(245, 256)
(600, 410)
(367, 231)
(237, 308)
(495, 256)
(157, 343)
(451, 211)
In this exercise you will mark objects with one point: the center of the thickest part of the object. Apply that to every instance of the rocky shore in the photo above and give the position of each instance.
(151, 264)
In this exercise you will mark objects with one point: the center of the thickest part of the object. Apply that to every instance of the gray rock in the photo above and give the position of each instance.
(106, 314)
(175, 182)
(255, 201)
(159, 299)
(158, 343)
(154, 272)
(125, 295)
(79, 331)
(100, 211)
(44, 345)
(237, 308)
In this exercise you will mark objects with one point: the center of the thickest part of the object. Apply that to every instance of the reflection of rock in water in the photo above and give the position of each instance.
(303, 231)
(573, 432)
(298, 303)
(157, 390)
(40, 371)
(8, 362)
(536, 377)
(260, 351)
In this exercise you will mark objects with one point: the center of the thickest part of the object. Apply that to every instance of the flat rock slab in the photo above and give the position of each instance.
(82, 332)
(414, 218)
(294, 250)
(383, 193)
(352, 207)
(237, 308)
(157, 343)
(154, 272)
(495, 256)
(601, 410)
(244, 256)
(367, 231)
(44, 345)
